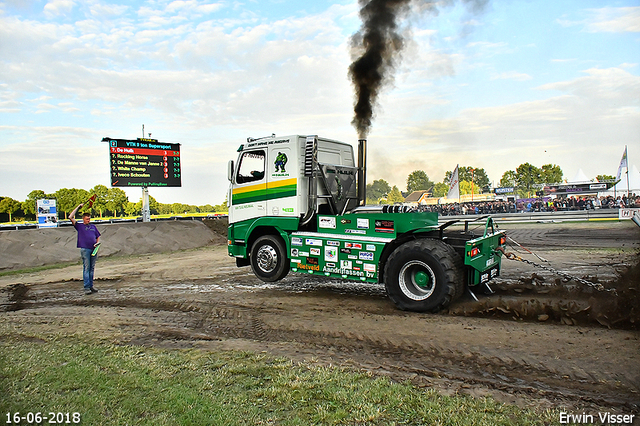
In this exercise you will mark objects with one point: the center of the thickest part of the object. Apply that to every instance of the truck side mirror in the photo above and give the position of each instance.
(230, 170)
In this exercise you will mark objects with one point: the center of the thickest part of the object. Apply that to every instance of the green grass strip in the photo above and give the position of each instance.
(114, 385)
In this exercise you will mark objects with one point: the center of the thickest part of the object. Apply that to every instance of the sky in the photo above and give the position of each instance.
(490, 84)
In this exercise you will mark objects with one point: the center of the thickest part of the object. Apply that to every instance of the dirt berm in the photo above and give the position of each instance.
(29, 248)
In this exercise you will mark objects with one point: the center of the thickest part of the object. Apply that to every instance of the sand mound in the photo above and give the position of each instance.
(38, 247)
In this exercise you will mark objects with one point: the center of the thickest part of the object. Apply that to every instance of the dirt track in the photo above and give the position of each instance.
(515, 345)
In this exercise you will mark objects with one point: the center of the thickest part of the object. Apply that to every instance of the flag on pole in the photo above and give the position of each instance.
(454, 185)
(91, 200)
(623, 163)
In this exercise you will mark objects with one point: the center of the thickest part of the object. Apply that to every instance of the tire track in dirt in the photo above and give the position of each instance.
(400, 356)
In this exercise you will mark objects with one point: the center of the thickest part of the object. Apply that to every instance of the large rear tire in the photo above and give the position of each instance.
(423, 276)
(269, 260)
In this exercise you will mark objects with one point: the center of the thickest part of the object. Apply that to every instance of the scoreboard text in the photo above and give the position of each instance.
(144, 162)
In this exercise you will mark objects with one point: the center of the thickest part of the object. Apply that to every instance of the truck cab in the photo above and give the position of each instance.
(269, 177)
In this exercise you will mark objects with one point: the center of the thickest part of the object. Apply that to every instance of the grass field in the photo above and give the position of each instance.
(133, 385)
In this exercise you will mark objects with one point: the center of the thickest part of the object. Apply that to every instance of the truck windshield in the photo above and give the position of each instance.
(251, 168)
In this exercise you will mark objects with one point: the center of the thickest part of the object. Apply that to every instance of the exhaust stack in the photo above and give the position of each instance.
(362, 172)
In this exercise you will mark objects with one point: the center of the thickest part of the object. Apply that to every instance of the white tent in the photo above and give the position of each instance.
(580, 177)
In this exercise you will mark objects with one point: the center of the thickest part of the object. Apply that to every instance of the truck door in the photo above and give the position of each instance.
(282, 170)
(249, 187)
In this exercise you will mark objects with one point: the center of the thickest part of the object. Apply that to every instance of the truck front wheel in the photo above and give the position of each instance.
(423, 276)
(269, 261)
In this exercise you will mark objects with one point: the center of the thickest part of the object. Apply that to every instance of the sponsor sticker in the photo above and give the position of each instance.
(356, 246)
(312, 261)
(363, 223)
(355, 231)
(296, 241)
(330, 265)
(315, 252)
(386, 226)
(344, 250)
(333, 243)
(371, 247)
(327, 222)
(365, 255)
(309, 267)
(331, 254)
(294, 252)
(313, 242)
(369, 267)
(346, 264)
(352, 256)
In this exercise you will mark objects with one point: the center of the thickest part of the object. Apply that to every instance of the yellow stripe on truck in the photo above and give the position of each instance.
(263, 186)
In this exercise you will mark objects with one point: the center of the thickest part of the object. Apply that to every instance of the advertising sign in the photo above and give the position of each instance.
(504, 190)
(46, 213)
(628, 213)
(144, 162)
(577, 189)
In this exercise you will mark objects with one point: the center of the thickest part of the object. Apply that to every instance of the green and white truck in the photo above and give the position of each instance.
(297, 203)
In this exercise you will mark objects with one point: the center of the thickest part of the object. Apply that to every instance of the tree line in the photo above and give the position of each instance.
(525, 181)
(108, 202)
(472, 179)
(114, 201)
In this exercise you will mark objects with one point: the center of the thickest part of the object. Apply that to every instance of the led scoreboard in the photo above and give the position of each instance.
(144, 162)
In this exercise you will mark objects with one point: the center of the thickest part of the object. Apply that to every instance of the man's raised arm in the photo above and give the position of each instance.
(72, 215)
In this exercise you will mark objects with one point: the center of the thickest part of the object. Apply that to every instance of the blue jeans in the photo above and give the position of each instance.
(88, 265)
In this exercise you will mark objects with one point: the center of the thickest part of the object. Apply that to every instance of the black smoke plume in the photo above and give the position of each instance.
(381, 42)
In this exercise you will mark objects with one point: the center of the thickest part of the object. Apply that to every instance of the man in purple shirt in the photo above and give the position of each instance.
(88, 240)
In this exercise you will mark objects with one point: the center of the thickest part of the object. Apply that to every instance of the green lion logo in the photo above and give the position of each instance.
(281, 160)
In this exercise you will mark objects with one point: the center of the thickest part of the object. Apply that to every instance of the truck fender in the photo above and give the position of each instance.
(260, 231)
(391, 247)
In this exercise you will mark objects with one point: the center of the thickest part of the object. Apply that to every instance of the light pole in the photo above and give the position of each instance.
(472, 188)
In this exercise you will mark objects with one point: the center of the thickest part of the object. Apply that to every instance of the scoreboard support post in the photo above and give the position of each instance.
(146, 211)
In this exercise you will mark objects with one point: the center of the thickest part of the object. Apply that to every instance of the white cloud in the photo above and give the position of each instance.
(616, 20)
(512, 75)
(608, 19)
(55, 8)
(608, 88)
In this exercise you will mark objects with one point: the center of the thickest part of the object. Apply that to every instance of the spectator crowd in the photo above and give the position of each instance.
(536, 205)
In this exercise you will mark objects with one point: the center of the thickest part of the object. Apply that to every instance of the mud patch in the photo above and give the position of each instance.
(560, 301)
(14, 297)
